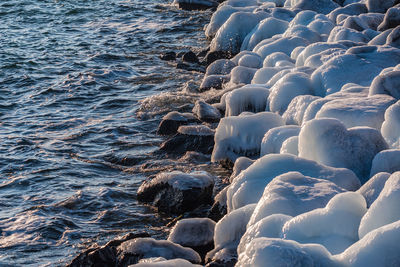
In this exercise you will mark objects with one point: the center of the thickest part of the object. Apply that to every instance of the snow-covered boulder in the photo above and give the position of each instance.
(388, 83)
(220, 67)
(263, 75)
(248, 186)
(251, 98)
(316, 48)
(385, 209)
(273, 139)
(335, 226)
(242, 75)
(327, 141)
(386, 161)
(296, 109)
(292, 194)
(176, 191)
(373, 187)
(284, 45)
(132, 251)
(241, 135)
(290, 146)
(391, 126)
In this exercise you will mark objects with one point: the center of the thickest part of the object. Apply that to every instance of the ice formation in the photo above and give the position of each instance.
(273, 139)
(192, 232)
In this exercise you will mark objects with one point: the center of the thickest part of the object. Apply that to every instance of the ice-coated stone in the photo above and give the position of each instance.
(296, 109)
(387, 83)
(131, 251)
(241, 135)
(240, 75)
(379, 6)
(290, 146)
(171, 122)
(275, 60)
(247, 98)
(270, 226)
(213, 81)
(176, 191)
(377, 248)
(352, 9)
(280, 252)
(284, 45)
(263, 75)
(386, 161)
(292, 194)
(391, 126)
(274, 138)
(319, 6)
(220, 67)
(303, 32)
(327, 141)
(248, 186)
(335, 226)
(385, 209)
(373, 187)
(391, 19)
(250, 61)
(360, 111)
(206, 112)
(240, 165)
(393, 39)
(315, 48)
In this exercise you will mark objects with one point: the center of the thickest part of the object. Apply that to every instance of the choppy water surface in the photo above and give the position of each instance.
(72, 75)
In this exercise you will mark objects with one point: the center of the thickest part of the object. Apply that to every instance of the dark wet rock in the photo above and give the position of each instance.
(219, 208)
(195, 233)
(226, 257)
(213, 81)
(198, 138)
(380, 6)
(206, 112)
(171, 122)
(177, 192)
(190, 57)
(196, 4)
(220, 67)
(132, 251)
(203, 52)
(195, 157)
(215, 55)
(170, 56)
(391, 19)
(105, 255)
(190, 67)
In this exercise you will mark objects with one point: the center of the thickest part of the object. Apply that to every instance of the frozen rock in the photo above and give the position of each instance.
(270, 226)
(218, 209)
(230, 36)
(213, 81)
(385, 209)
(288, 87)
(131, 251)
(171, 122)
(393, 39)
(325, 226)
(250, 61)
(228, 232)
(292, 194)
(240, 165)
(196, 233)
(290, 146)
(303, 32)
(379, 6)
(377, 248)
(241, 135)
(373, 187)
(340, 33)
(274, 59)
(240, 74)
(327, 141)
(387, 83)
(316, 48)
(248, 186)
(380, 39)
(386, 161)
(296, 109)
(197, 138)
(161, 262)
(319, 6)
(177, 192)
(273, 139)
(317, 60)
(352, 9)
(220, 67)
(264, 30)
(263, 75)
(352, 112)
(391, 19)
(284, 45)
(391, 126)
(279, 252)
(246, 98)
(206, 112)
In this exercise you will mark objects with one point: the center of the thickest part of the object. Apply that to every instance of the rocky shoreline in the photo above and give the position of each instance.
(300, 98)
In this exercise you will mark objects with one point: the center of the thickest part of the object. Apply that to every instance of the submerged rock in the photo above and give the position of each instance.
(169, 56)
(177, 192)
(195, 4)
(171, 122)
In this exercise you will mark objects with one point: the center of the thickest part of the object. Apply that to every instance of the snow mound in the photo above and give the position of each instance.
(327, 141)
(273, 139)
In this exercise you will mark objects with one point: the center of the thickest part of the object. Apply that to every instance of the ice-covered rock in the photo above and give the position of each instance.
(270, 226)
(352, 112)
(391, 19)
(131, 251)
(379, 247)
(385, 209)
(386, 161)
(304, 32)
(228, 232)
(248, 186)
(214, 81)
(264, 30)
(273, 139)
(327, 141)
(263, 75)
(292, 194)
(171, 122)
(319, 6)
(335, 226)
(242, 75)
(288, 87)
(161, 262)
(232, 33)
(290, 146)
(220, 67)
(387, 83)
(246, 98)
(358, 65)
(176, 191)
(240, 165)
(296, 109)
(241, 135)
(373, 187)
(316, 48)
(275, 60)
(280, 252)
(379, 6)
(340, 33)
(250, 61)
(206, 112)
(284, 45)
(391, 126)
(352, 9)
(380, 39)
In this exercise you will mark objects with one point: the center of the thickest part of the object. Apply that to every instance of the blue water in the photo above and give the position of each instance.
(76, 140)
